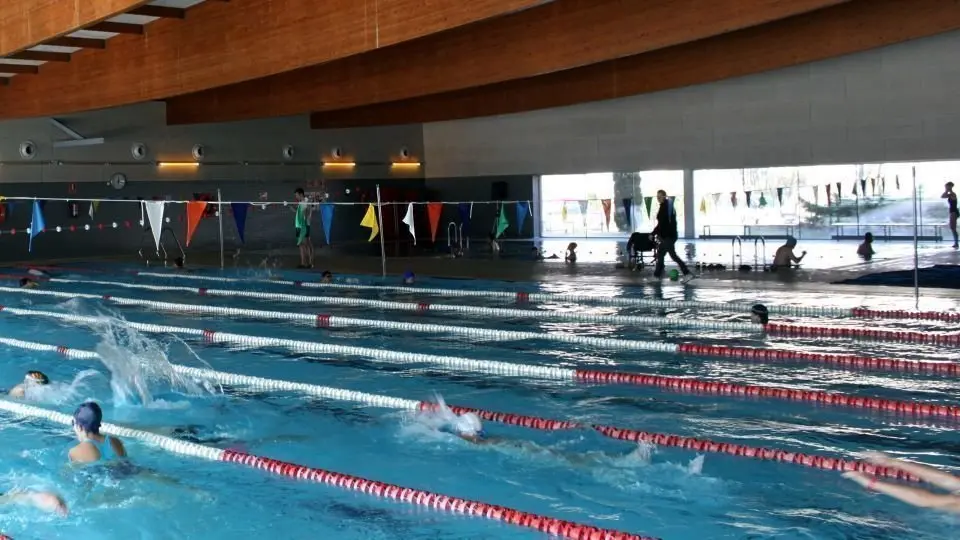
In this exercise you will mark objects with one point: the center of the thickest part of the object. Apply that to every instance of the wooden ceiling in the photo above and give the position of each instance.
(373, 62)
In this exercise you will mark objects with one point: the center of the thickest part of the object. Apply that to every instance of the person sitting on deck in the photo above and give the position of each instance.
(865, 250)
(784, 258)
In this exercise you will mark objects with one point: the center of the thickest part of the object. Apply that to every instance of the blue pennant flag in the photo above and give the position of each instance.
(36, 224)
(465, 210)
(326, 216)
(523, 208)
(627, 206)
(240, 217)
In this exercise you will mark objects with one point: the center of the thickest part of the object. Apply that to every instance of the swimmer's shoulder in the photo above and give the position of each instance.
(85, 452)
(16, 392)
(117, 446)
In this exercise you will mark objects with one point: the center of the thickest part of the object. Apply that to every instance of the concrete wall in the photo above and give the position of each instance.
(893, 104)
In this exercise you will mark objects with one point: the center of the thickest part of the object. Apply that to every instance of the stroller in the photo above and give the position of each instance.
(637, 245)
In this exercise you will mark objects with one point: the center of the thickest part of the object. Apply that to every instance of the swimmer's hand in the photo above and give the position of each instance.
(43, 500)
(878, 458)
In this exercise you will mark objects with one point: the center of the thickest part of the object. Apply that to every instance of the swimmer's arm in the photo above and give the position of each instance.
(16, 392)
(42, 500)
(928, 474)
(908, 494)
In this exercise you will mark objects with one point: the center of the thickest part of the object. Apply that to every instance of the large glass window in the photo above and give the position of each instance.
(598, 205)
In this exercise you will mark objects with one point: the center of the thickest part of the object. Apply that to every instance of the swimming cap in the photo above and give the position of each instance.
(760, 311)
(38, 377)
(88, 417)
(468, 424)
(408, 275)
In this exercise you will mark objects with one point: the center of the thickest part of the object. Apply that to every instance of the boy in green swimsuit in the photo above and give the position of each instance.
(301, 223)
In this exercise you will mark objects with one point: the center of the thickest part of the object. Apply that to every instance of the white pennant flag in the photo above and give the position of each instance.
(408, 220)
(91, 210)
(155, 215)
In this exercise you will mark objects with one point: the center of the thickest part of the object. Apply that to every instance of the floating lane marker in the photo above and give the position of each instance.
(844, 361)
(491, 367)
(416, 497)
(530, 422)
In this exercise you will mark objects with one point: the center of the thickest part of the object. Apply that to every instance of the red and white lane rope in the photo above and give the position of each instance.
(843, 361)
(806, 311)
(491, 367)
(578, 316)
(552, 526)
(324, 320)
(526, 421)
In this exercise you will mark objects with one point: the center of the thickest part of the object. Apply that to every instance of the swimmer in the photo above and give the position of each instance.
(469, 428)
(27, 283)
(759, 314)
(409, 278)
(93, 446)
(571, 253)
(42, 500)
(865, 250)
(30, 380)
(946, 502)
(326, 277)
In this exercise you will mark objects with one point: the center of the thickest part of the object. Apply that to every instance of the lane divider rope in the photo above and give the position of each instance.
(455, 363)
(793, 330)
(416, 497)
(526, 296)
(844, 361)
(526, 421)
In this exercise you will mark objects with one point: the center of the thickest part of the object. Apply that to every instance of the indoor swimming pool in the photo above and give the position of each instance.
(342, 378)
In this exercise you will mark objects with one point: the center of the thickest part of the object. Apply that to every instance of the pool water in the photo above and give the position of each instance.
(574, 475)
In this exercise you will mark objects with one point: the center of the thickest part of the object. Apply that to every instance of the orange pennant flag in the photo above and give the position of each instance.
(434, 210)
(194, 213)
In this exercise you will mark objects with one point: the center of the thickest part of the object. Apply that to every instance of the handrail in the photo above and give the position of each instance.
(455, 240)
(733, 255)
(160, 246)
(763, 243)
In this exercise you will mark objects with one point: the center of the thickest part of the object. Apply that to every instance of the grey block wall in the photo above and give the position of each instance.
(897, 103)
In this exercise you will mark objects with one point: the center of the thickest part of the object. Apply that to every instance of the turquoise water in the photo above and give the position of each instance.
(574, 475)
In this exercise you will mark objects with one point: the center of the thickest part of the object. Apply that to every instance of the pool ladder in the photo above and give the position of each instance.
(148, 233)
(455, 239)
(757, 258)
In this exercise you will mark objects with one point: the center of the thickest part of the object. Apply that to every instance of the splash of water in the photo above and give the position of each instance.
(695, 466)
(58, 392)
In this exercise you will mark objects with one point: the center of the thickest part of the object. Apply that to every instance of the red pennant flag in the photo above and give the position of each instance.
(434, 210)
(605, 203)
(195, 211)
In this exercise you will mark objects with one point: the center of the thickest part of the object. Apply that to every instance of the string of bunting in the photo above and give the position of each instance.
(864, 187)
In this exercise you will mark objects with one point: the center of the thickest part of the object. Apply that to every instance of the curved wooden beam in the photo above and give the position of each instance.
(25, 23)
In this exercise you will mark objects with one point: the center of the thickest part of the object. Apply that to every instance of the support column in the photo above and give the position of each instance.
(536, 203)
(689, 206)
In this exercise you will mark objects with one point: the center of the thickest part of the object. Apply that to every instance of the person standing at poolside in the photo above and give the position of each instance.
(301, 223)
(93, 446)
(952, 210)
(666, 230)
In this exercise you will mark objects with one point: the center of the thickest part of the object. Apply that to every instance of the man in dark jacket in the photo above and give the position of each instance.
(666, 229)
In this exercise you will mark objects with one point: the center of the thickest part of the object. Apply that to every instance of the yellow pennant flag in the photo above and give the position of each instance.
(370, 220)
(703, 205)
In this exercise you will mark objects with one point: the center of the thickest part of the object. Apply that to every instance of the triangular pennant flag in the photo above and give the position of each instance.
(605, 203)
(154, 211)
(195, 210)
(627, 206)
(563, 211)
(763, 201)
(466, 212)
(855, 193)
(240, 217)
(523, 208)
(839, 191)
(780, 195)
(326, 219)
(733, 199)
(716, 198)
(370, 221)
(863, 187)
(828, 194)
(502, 221)
(583, 208)
(816, 195)
(434, 210)
(37, 224)
(408, 221)
(703, 205)
(648, 203)
(92, 208)
(883, 185)
(749, 196)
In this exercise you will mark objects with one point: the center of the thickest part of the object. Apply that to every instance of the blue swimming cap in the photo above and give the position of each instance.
(408, 275)
(88, 417)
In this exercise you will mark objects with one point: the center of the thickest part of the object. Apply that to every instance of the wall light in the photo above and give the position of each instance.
(342, 164)
(406, 164)
(178, 164)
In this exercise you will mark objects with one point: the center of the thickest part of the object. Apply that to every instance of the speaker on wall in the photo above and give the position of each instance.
(498, 191)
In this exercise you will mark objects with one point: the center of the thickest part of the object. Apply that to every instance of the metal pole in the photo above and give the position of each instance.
(383, 249)
(220, 216)
(916, 257)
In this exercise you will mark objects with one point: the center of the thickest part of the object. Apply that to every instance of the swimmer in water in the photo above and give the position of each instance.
(759, 314)
(27, 283)
(30, 380)
(409, 278)
(93, 446)
(946, 502)
(43, 500)
(326, 277)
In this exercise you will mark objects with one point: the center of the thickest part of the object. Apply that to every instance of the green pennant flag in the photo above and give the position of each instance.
(502, 221)
(647, 202)
(763, 200)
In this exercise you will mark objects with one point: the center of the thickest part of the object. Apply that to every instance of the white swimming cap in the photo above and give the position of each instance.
(468, 424)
